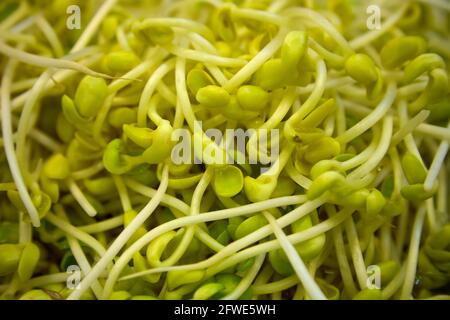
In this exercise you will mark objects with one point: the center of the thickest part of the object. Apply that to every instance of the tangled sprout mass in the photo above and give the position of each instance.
(351, 203)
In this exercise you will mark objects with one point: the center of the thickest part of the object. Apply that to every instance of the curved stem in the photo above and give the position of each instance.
(120, 242)
(8, 144)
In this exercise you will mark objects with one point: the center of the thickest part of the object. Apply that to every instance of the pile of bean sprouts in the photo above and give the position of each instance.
(353, 206)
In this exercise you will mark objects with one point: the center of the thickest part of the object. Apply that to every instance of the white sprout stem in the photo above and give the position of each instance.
(274, 120)
(184, 24)
(76, 233)
(122, 39)
(330, 83)
(123, 238)
(397, 170)
(44, 62)
(214, 121)
(104, 225)
(300, 179)
(265, 275)
(322, 22)
(8, 143)
(409, 127)
(182, 95)
(123, 193)
(152, 110)
(372, 52)
(19, 38)
(209, 241)
(327, 55)
(50, 34)
(81, 199)
(296, 261)
(102, 114)
(436, 165)
(281, 110)
(382, 175)
(61, 75)
(329, 125)
(23, 25)
(387, 25)
(84, 264)
(118, 84)
(252, 251)
(363, 181)
(219, 214)
(45, 140)
(189, 232)
(356, 253)
(431, 215)
(379, 153)
(438, 42)
(369, 121)
(150, 87)
(344, 266)
(166, 200)
(205, 57)
(12, 19)
(21, 85)
(280, 163)
(183, 102)
(362, 156)
(45, 280)
(413, 253)
(280, 285)
(411, 89)
(201, 43)
(442, 205)
(434, 131)
(316, 94)
(93, 25)
(423, 128)
(26, 115)
(166, 93)
(277, 6)
(58, 77)
(410, 143)
(87, 172)
(258, 15)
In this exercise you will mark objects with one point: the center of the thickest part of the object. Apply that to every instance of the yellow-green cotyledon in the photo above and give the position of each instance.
(225, 149)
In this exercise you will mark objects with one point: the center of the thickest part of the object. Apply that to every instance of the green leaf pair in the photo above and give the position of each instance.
(261, 188)
(20, 258)
(362, 68)
(220, 286)
(320, 149)
(41, 201)
(157, 143)
(434, 259)
(279, 72)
